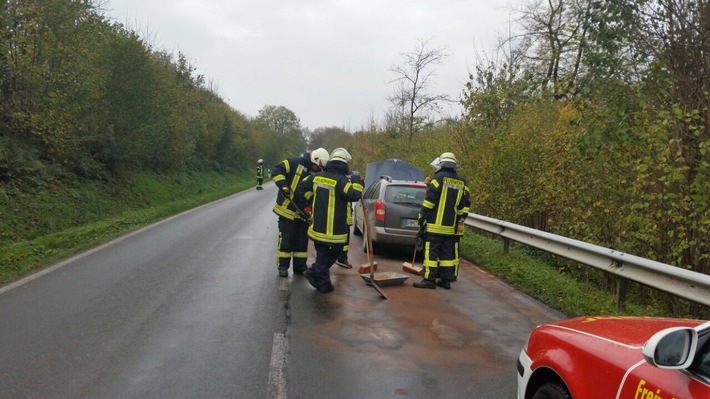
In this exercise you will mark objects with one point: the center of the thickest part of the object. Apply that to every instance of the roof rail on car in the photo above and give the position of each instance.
(389, 179)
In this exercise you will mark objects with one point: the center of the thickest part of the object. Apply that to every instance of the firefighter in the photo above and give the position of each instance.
(328, 195)
(259, 174)
(436, 165)
(447, 202)
(293, 222)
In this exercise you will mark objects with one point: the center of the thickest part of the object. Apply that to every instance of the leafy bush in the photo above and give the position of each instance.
(20, 165)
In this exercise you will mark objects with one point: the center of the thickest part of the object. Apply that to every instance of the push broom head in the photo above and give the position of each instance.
(366, 268)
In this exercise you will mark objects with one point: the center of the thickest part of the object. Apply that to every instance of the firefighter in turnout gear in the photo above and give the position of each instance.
(447, 202)
(293, 221)
(259, 174)
(436, 165)
(328, 195)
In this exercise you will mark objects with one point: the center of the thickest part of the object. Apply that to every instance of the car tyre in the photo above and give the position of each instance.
(552, 390)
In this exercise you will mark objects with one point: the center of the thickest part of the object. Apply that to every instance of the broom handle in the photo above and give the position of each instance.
(369, 251)
(369, 238)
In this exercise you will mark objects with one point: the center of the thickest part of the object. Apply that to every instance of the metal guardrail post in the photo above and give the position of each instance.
(680, 282)
(622, 287)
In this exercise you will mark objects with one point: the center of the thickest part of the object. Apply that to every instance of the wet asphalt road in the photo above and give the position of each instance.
(193, 307)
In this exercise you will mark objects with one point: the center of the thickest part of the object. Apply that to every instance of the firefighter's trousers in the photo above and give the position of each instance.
(439, 257)
(326, 255)
(293, 244)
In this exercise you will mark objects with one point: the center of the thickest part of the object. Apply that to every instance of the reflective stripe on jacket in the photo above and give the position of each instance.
(259, 171)
(329, 194)
(447, 200)
(289, 173)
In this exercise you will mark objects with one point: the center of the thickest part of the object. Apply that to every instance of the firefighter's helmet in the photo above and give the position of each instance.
(260, 161)
(436, 163)
(447, 158)
(340, 154)
(320, 157)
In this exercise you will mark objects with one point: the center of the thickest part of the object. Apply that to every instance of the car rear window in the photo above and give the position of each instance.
(405, 194)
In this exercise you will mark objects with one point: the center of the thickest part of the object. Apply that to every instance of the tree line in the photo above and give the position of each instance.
(595, 125)
(81, 96)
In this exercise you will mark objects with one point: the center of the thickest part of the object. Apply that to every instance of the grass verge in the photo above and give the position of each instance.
(543, 282)
(142, 200)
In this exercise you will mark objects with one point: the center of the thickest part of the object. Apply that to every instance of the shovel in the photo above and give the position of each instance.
(369, 250)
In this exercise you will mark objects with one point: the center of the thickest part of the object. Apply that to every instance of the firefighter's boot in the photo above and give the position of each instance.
(425, 284)
(445, 284)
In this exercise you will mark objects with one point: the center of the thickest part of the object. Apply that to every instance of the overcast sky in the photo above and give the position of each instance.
(327, 61)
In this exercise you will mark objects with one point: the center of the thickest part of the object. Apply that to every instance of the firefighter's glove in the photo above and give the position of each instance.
(286, 192)
(421, 220)
(427, 181)
(460, 228)
(305, 214)
(355, 178)
(419, 243)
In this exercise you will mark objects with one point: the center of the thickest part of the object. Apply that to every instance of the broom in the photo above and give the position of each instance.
(418, 246)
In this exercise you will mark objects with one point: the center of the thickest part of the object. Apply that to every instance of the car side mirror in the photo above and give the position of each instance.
(672, 348)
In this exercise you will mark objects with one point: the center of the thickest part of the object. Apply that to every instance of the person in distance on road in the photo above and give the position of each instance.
(293, 221)
(447, 202)
(328, 195)
(259, 174)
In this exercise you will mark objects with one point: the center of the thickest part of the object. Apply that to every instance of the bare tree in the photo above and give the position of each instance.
(557, 32)
(413, 105)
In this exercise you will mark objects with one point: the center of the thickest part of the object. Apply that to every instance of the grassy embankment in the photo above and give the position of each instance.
(44, 226)
(543, 281)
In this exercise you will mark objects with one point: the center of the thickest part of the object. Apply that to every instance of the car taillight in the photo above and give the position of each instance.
(380, 211)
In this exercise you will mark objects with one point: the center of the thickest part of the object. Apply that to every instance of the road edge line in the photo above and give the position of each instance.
(277, 368)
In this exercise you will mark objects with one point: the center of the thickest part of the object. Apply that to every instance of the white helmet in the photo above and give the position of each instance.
(320, 157)
(447, 157)
(436, 163)
(340, 154)
(260, 161)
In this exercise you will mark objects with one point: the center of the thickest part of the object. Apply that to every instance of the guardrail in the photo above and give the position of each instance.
(674, 280)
